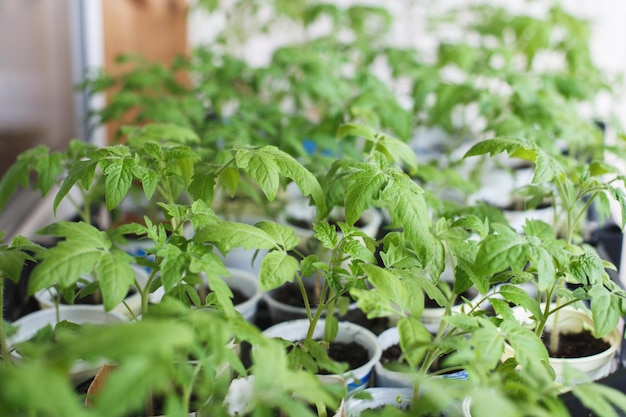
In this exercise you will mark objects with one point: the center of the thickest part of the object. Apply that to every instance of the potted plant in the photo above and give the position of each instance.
(553, 256)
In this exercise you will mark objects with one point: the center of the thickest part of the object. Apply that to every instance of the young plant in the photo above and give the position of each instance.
(552, 256)
(13, 257)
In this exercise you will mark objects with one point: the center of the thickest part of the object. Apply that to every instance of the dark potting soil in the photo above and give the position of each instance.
(290, 294)
(576, 345)
(94, 298)
(393, 355)
(350, 352)
(520, 205)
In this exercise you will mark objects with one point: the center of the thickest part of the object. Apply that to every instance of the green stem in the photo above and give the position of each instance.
(305, 298)
(318, 312)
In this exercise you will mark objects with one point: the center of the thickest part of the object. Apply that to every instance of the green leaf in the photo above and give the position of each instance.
(398, 150)
(81, 171)
(306, 181)
(164, 133)
(63, 265)
(415, 340)
(364, 186)
(229, 235)
(408, 210)
(498, 252)
(17, 174)
(605, 310)
(173, 266)
(229, 179)
(530, 352)
(12, 262)
(20, 387)
(513, 146)
(116, 276)
(389, 285)
(546, 168)
(283, 236)
(331, 328)
(276, 269)
(202, 186)
(520, 297)
(602, 400)
(488, 344)
(118, 180)
(262, 168)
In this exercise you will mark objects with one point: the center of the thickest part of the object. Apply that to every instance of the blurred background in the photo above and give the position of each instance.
(47, 47)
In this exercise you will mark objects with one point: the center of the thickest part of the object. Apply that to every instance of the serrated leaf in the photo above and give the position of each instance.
(520, 297)
(546, 168)
(283, 235)
(512, 145)
(118, 181)
(398, 150)
(164, 133)
(498, 252)
(601, 399)
(81, 171)
(116, 276)
(229, 235)
(389, 285)
(11, 264)
(229, 178)
(415, 340)
(606, 313)
(149, 182)
(262, 168)
(276, 269)
(17, 174)
(63, 265)
(304, 179)
(358, 130)
(87, 234)
(364, 186)
(202, 186)
(173, 266)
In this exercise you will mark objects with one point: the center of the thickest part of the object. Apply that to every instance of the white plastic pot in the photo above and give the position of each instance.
(399, 397)
(248, 284)
(571, 320)
(28, 325)
(46, 297)
(595, 366)
(356, 379)
(395, 379)
(240, 392)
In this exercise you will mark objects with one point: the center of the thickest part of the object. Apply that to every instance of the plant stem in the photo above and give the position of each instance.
(554, 335)
(318, 313)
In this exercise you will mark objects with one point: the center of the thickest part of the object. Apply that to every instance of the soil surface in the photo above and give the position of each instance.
(352, 353)
(290, 294)
(576, 345)
(94, 298)
(392, 355)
